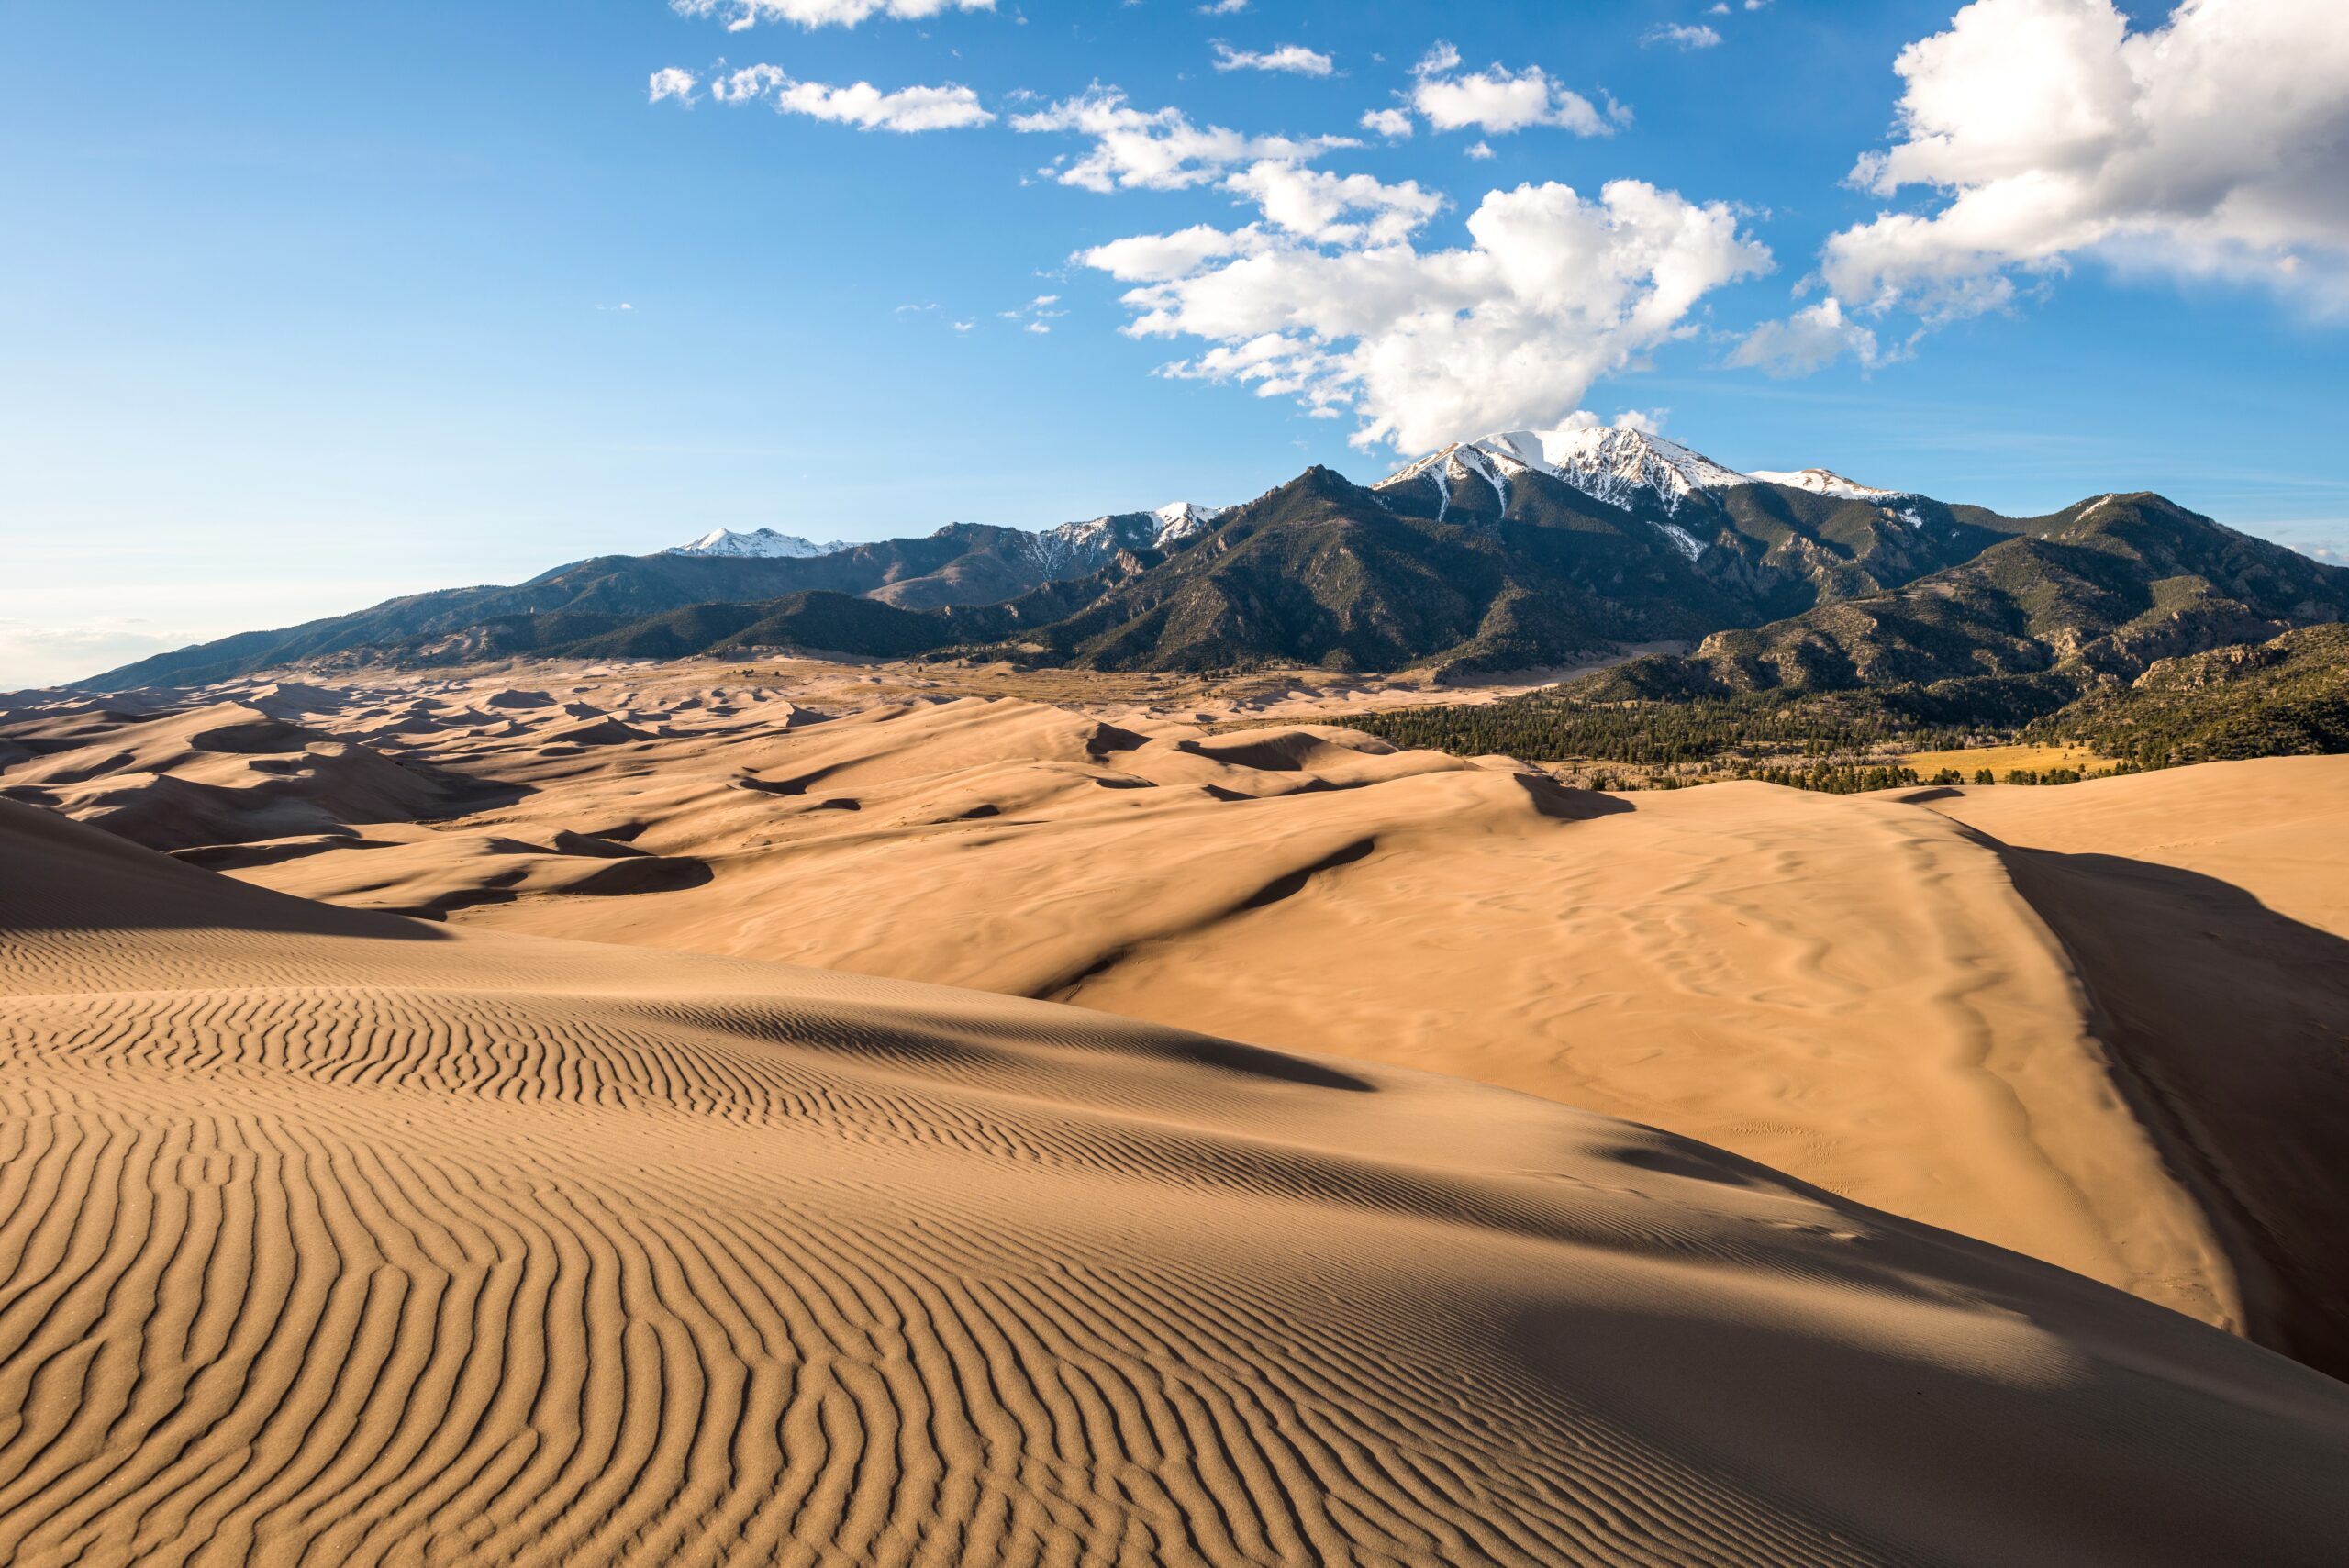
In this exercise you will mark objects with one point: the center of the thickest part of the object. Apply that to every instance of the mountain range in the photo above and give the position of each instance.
(712, 578)
(1517, 551)
(2103, 588)
(1085, 544)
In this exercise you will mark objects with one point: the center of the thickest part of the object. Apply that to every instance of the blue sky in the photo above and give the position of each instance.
(304, 306)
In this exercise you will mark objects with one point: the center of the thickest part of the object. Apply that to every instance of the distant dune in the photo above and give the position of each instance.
(332, 1238)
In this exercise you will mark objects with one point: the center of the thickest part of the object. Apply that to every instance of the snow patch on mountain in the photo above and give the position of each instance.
(1824, 481)
(1074, 549)
(1621, 467)
(1179, 522)
(1687, 543)
(759, 544)
(1070, 550)
(1464, 463)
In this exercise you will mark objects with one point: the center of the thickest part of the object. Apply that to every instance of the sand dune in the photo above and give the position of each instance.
(217, 773)
(330, 1238)
(1864, 991)
(2206, 910)
(1848, 990)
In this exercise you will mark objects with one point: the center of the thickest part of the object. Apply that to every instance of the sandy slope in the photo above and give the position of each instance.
(2207, 911)
(328, 1238)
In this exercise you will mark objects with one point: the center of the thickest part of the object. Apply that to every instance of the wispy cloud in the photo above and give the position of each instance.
(738, 14)
(34, 655)
(861, 105)
(1155, 150)
(1296, 59)
(1809, 340)
(1036, 316)
(1681, 35)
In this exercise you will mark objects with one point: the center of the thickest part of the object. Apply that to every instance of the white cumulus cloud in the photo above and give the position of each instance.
(1421, 347)
(672, 83)
(861, 105)
(1497, 100)
(1811, 339)
(1290, 57)
(1394, 123)
(2215, 144)
(738, 14)
(1316, 205)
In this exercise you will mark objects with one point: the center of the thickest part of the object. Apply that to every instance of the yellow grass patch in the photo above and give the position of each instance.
(2001, 760)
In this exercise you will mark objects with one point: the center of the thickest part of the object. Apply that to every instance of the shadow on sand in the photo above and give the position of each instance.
(2228, 1025)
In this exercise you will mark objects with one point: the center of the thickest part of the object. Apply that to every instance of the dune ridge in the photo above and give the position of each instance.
(2207, 913)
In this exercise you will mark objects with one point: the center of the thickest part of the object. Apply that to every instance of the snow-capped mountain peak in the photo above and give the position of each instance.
(1072, 549)
(1825, 482)
(1463, 462)
(1620, 466)
(1181, 521)
(1078, 547)
(763, 544)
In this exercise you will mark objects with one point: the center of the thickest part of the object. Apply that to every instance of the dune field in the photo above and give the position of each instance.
(1883, 996)
(679, 888)
(569, 1223)
(336, 1237)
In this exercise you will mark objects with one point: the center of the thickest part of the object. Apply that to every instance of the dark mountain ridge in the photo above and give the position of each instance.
(1498, 554)
(2288, 696)
(2147, 632)
(2093, 593)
